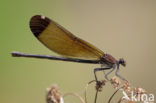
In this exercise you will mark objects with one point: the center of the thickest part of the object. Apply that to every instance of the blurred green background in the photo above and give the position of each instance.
(122, 28)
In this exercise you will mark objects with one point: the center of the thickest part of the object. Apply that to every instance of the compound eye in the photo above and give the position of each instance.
(122, 62)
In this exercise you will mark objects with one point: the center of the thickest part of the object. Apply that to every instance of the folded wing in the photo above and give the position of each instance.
(61, 41)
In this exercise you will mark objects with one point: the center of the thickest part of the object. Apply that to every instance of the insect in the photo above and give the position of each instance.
(70, 47)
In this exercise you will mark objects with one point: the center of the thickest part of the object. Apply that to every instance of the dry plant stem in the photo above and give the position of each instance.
(113, 95)
(76, 95)
(96, 96)
(120, 100)
(87, 88)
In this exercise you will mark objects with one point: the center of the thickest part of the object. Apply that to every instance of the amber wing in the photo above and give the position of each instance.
(61, 41)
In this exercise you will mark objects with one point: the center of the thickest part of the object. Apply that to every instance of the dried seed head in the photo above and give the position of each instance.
(138, 90)
(115, 81)
(54, 95)
(99, 85)
(126, 87)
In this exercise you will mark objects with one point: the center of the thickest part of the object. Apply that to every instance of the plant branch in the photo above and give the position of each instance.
(76, 95)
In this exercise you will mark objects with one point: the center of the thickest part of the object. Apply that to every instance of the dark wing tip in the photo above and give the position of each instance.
(38, 24)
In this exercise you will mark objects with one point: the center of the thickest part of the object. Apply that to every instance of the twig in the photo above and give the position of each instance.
(99, 85)
(96, 96)
(113, 95)
(76, 95)
(87, 88)
(120, 100)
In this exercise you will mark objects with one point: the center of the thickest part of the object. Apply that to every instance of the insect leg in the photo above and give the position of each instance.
(106, 76)
(99, 69)
(117, 74)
